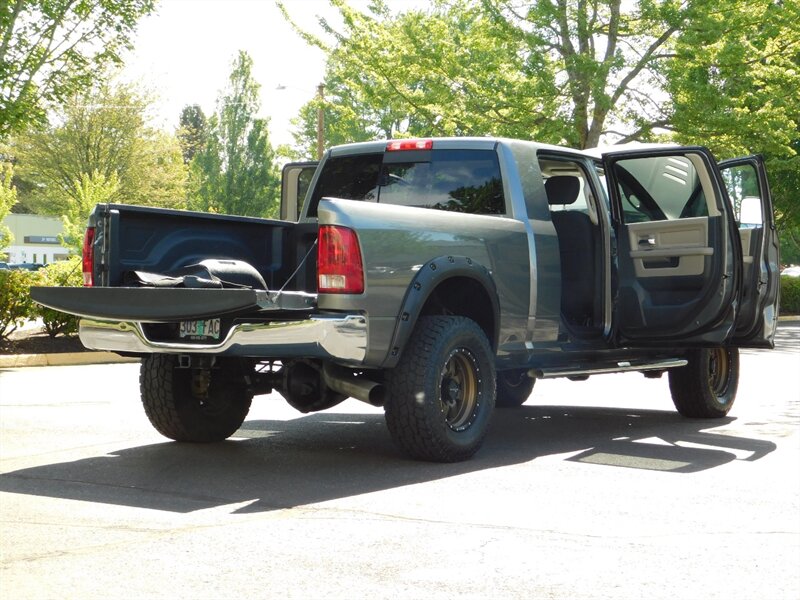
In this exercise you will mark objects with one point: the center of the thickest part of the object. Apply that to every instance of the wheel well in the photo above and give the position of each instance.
(465, 297)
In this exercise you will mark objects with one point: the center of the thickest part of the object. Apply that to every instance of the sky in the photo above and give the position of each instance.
(184, 51)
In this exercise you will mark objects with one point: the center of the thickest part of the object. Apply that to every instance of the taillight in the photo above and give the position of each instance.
(339, 267)
(88, 257)
(396, 145)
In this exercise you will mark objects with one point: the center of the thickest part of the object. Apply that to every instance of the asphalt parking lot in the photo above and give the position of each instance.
(593, 489)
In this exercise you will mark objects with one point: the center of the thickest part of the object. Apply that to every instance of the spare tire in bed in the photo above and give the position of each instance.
(208, 273)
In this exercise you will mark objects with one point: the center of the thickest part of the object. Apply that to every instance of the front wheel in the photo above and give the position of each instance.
(706, 387)
(193, 405)
(442, 392)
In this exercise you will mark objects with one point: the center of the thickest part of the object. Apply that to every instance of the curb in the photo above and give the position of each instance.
(62, 359)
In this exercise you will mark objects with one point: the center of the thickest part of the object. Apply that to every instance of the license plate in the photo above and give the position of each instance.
(200, 330)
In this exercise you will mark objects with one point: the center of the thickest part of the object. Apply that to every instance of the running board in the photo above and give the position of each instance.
(616, 367)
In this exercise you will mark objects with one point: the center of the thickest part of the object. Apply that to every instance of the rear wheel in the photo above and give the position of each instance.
(513, 388)
(442, 392)
(706, 387)
(193, 405)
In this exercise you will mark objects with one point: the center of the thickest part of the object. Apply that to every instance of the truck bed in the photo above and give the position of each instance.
(135, 238)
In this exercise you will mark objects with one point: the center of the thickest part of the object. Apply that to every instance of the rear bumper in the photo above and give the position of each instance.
(341, 338)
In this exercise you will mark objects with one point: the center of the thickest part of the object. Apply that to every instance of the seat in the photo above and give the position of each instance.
(576, 243)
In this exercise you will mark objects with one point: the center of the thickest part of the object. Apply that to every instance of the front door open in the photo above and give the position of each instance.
(748, 189)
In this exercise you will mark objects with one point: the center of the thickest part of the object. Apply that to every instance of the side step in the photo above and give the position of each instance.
(614, 367)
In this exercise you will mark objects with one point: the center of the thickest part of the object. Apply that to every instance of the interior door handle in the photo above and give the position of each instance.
(649, 242)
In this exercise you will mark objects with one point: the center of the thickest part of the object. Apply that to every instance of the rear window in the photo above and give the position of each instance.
(465, 181)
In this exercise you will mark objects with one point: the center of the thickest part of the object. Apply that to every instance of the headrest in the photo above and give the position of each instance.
(562, 189)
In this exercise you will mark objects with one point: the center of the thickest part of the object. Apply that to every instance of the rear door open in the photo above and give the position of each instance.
(678, 254)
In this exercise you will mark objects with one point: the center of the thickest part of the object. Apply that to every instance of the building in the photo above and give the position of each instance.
(35, 239)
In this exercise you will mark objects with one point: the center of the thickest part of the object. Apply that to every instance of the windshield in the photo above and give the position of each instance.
(454, 180)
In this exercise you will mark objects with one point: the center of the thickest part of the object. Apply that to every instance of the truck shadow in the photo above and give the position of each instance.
(325, 456)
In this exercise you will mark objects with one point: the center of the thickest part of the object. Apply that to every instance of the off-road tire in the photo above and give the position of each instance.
(706, 387)
(513, 388)
(441, 395)
(178, 414)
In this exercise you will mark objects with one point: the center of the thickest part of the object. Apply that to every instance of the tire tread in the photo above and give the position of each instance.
(408, 421)
(175, 414)
(690, 391)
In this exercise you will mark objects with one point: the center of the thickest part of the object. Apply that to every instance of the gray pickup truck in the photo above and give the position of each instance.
(438, 278)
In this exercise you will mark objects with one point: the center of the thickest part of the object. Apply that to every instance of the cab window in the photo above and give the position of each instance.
(467, 181)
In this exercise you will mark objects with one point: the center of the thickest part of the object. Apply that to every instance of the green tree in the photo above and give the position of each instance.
(349, 115)
(50, 50)
(89, 190)
(235, 173)
(102, 130)
(557, 71)
(8, 198)
(735, 87)
(784, 177)
(192, 131)
(735, 78)
(721, 73)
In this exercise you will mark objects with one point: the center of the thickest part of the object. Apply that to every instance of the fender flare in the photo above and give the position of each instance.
(428, 278)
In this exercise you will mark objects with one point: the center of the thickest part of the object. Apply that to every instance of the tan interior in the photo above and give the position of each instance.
(684, 239)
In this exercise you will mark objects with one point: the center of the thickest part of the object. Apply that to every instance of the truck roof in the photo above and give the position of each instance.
(445, 143)
(487, 143)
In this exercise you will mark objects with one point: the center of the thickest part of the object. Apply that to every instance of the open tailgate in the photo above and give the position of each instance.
(157, 305)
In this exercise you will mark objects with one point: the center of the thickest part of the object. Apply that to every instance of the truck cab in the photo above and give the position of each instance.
(654, 243)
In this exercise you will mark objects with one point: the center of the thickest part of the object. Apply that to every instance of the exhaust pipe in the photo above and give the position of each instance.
(343, 381)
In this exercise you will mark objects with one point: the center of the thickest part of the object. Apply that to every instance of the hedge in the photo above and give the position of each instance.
(790, 295)
(16, 305)
(66, 273)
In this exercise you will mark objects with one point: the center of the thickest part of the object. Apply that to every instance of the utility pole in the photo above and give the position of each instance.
(320, 121)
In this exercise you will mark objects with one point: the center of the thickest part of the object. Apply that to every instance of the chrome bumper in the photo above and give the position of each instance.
(342, 338)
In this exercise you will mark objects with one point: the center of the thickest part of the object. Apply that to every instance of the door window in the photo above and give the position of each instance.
(660, 188)
(742, 184)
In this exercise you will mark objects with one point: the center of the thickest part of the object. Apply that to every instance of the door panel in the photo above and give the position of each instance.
(677, 254)
(748, 189)
(669, 248)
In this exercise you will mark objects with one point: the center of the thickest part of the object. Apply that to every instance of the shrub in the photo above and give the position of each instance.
(16, 305)
(790, 295)
(66, 273)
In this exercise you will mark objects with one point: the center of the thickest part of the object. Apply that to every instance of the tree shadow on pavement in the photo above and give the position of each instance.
(325, 456)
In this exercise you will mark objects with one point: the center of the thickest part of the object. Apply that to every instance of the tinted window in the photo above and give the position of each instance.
(660, 188)
(303, 183)
(347, 177)
(454, 180)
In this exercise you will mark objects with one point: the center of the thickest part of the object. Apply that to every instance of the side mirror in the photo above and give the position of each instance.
(750, 212)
